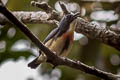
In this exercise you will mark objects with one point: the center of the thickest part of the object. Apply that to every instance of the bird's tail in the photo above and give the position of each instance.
(34, 64)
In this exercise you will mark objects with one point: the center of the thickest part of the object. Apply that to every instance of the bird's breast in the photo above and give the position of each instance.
(68, 35)
(62, 45)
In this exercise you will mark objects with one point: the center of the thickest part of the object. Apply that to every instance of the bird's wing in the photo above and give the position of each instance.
(51, 35)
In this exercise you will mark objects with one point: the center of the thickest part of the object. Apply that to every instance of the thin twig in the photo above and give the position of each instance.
(42, 5)
(50, 55)
(64, 9)
(47, 9)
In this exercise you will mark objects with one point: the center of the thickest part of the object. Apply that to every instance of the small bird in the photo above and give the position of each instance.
(60, 40)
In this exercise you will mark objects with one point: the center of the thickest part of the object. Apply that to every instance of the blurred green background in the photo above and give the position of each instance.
(16, 50)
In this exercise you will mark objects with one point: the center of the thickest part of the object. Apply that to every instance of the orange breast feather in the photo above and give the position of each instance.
(68, 35)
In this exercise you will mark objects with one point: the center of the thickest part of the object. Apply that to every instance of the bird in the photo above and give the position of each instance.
(59, 40)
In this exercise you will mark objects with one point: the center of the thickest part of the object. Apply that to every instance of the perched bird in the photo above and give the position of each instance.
(60, 40)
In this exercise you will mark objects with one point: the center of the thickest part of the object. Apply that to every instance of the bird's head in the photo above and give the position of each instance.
(71, 17)
(66, 21)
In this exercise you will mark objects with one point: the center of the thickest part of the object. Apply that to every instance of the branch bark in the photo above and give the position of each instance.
(96, 32)
(30, 17)
(50, 55)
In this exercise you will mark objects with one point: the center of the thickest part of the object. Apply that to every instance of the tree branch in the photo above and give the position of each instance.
(50, 55)
(97, 32)
(87, 28)
(30, 17)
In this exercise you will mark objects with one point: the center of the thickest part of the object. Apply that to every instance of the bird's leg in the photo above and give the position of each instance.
(42, 57)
